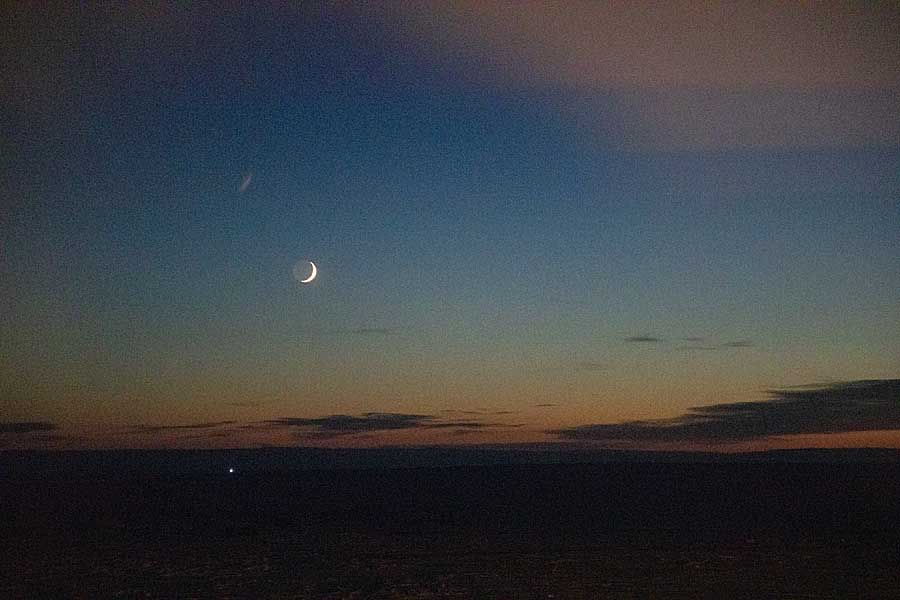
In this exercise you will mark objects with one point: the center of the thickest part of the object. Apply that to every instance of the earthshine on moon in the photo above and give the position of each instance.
(300, 271)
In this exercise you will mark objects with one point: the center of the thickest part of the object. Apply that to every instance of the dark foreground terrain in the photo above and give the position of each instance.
(732, 529)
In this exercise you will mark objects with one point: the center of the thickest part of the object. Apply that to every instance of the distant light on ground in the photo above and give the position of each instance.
(231, 470)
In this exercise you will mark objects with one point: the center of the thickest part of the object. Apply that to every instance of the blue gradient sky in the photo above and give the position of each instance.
(491, 222)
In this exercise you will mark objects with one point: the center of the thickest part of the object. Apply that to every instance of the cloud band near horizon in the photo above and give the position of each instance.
(334, 426)
(839, 408)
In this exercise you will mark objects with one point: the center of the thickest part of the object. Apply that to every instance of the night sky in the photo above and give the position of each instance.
(532, 223)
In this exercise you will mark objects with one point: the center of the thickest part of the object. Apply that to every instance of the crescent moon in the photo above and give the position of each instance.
(312, 275)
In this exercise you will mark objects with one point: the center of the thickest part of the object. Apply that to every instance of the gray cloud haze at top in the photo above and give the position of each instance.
(682, 75)
(837, 408)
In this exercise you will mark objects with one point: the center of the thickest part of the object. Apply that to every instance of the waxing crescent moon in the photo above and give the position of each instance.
(298, 271)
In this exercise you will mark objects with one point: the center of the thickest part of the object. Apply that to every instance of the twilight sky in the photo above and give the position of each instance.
(591, 223)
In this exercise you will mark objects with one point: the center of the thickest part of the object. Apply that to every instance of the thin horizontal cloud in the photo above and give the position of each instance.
(837, 408)
(738, 344)
(346, 424)
(252, 427)
(19, 427)
(209, 435)
(697, 345)
(589, 367)
(333, 426)
(467, 425)
(158, 428)
(53, 439)
(479, 412)
(546, 405)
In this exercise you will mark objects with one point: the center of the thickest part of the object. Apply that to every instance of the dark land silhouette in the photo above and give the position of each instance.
(382, 524)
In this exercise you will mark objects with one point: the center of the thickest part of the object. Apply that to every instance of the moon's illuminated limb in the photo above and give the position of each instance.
(311, 275)
(298, 271)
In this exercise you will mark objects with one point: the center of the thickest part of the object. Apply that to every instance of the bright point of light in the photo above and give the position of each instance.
(231, 470)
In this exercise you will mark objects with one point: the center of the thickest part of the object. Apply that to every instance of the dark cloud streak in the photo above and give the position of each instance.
(738, 344)
(837, 408)
(26, 427)
(333, 426)
(480, 412)
(159, 428)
